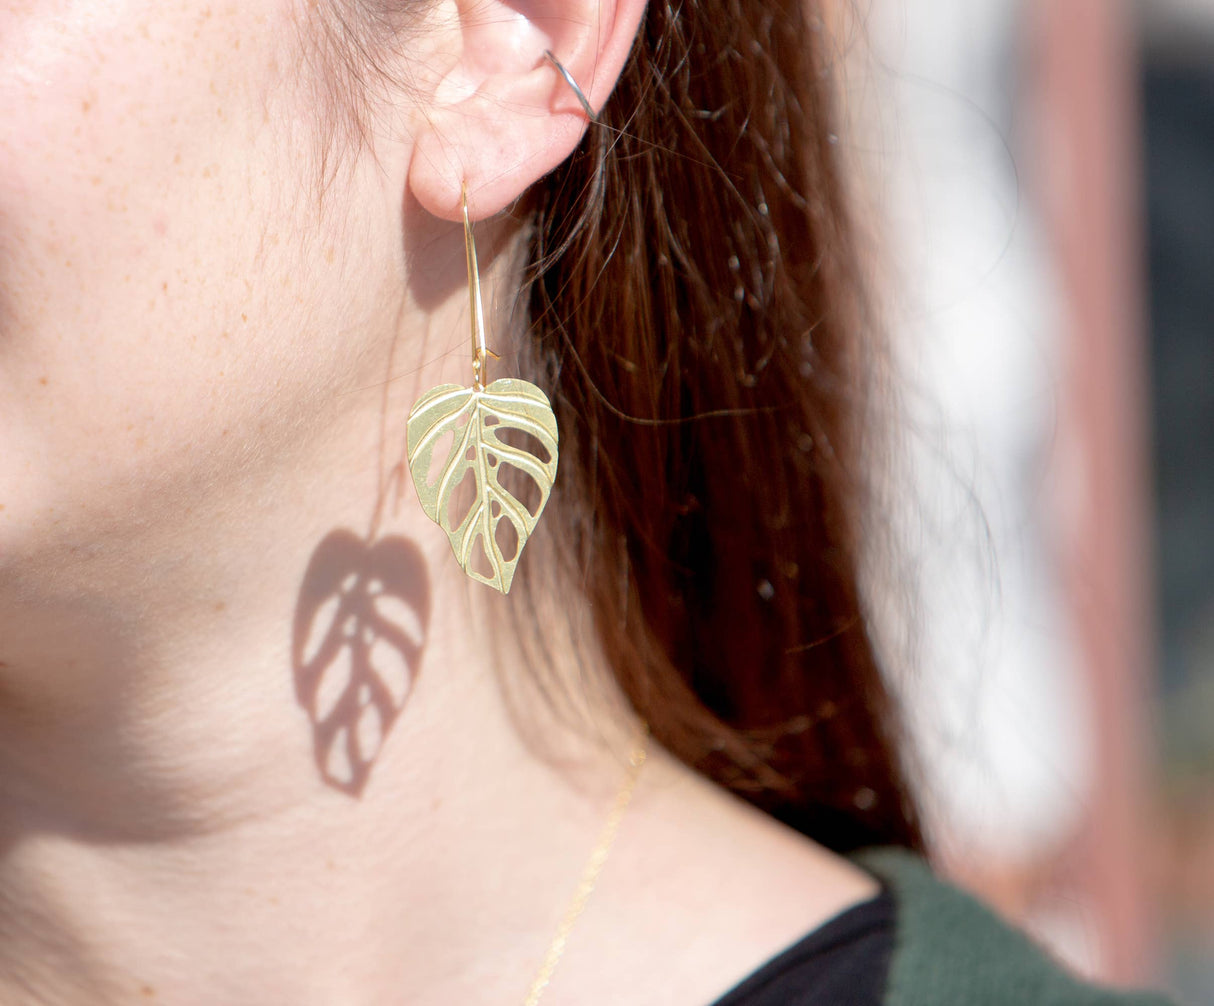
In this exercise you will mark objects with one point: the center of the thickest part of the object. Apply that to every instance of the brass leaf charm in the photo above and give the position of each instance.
(477, 419)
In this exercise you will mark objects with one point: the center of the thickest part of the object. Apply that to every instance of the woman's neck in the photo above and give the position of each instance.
(183, 819)
(169, 834)
(172, 823)
(181, 807)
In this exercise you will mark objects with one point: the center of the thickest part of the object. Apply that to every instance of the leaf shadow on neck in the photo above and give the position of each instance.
(360, 628)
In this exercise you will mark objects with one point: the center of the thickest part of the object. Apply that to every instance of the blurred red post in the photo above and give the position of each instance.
(1090, 184)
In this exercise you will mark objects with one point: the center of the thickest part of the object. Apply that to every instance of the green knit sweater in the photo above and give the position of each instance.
(949, 949)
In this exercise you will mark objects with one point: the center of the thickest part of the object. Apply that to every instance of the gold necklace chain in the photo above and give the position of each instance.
(590, 875)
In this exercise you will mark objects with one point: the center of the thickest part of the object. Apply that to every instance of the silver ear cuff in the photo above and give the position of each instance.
(573, 84)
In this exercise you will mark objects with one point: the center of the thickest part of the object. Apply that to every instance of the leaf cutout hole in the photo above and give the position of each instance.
(390, 666)
(337, 764)
(335, 681)
(506, 536)
(369, 735)
(320, 627)
(495, 509)
(438, 459)
(462, 499)
(401, 615)
(491, 420)
(479, 560)
(521, 486)
(524, 441)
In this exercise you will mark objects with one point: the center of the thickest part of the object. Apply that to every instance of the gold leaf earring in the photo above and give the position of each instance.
(508, 423)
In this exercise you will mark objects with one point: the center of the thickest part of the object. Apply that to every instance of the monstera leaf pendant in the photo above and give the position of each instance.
(483, 460)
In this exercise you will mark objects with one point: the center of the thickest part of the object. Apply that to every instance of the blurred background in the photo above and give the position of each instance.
(1040, 179)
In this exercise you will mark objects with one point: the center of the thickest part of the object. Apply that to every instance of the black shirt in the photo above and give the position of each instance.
(843, 963)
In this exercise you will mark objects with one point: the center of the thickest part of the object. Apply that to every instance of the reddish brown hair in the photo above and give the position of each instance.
(696, 316)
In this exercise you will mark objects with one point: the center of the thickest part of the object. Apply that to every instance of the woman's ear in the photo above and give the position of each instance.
(501, 115)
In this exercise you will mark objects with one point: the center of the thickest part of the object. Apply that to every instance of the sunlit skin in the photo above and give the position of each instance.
(205, 370)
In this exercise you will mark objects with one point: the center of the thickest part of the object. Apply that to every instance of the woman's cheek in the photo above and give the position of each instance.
(142, 199)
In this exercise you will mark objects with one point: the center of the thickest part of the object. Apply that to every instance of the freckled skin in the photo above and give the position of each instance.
(158, 194)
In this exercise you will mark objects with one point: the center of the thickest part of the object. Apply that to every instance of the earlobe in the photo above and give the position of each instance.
(503, 115)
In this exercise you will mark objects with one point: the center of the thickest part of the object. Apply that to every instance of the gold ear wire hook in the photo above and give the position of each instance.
(573, 84)
(480, 352)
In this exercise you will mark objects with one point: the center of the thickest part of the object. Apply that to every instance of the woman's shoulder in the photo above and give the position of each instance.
(949, 948)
